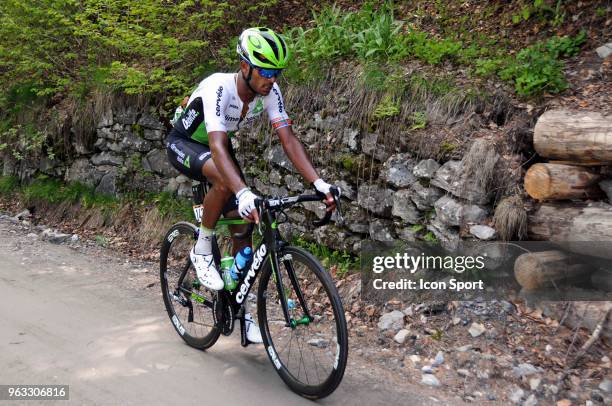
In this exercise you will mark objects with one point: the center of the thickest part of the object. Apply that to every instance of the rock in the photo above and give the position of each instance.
(108, 183)
(464, 373)
(318, 342)
(483, 232)
(107, 118)
(476, 329)
(106, 158)
(403, 207)
(531, 401)
(22, 215)
(524, 369)
(415, 359)
(564, 402)
(126, 116)
(595, 396)
(605, 50)
(391, 321)
(430, 380)
(157, 161)
(401, 336)
(606, 385)
(516, 395)
(397, 170)
(448, 237)
(450, 178)
(427, 369)
(334, 237)
(74, 239)
(424, 197)
(275, 177)
(347, 190)
(330, 123)
(152, 135)
(357, 219)
(439, 360)
(606, 186)
(276, 155)
(491, 397)
(84, 172)
(453, 213)
(55, 237)
(407, 234)
(293, 183)
(134, 143)
(426, 169)
(149, 121)
(350, 138)
(534, 383)
(370, 146)
(381, 230)
(375, 199)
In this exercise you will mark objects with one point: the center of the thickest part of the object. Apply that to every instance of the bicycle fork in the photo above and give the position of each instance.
(287, 261)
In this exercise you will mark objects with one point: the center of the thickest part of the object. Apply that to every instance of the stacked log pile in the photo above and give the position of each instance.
(578, 147)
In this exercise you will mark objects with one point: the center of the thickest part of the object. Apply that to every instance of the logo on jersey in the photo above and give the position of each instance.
(258, 107)
(204, 156)
(189, 118)
(186, 162)
(279, 100)
(219, 94)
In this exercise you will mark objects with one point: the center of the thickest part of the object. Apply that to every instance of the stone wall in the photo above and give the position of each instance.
(399, 198)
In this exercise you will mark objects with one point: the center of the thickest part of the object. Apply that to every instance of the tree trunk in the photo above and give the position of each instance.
(582, 136)
(586, 230)
(554, 182)
(543, 269)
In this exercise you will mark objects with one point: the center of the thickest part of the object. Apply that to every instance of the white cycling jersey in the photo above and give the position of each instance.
(216, 106)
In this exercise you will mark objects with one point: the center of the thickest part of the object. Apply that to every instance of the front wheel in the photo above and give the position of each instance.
(189, 304)
(310, 353)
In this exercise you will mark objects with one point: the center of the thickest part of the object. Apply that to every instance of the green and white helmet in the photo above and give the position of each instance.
(263, 48)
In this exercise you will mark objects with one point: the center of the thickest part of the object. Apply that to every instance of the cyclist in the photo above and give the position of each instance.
(199, 145)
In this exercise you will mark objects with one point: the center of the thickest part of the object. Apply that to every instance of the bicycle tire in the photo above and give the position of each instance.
(174, 257)
(273, 327)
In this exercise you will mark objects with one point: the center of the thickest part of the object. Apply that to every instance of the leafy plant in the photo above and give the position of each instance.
(419, 120)
(388, 107)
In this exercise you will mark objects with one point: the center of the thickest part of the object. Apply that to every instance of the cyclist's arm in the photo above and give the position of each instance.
(299, 157)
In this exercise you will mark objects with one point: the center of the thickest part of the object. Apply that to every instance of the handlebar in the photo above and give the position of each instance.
(282, 202)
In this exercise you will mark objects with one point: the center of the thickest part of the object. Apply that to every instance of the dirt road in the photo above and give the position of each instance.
(87, 317)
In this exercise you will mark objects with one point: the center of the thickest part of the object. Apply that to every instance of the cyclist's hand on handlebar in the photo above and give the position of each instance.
(325, 188)
(246, 205)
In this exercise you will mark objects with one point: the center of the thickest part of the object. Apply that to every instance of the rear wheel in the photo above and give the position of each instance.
(310, 354)
(188, 303)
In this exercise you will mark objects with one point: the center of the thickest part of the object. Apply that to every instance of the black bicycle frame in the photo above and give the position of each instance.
(267, 250)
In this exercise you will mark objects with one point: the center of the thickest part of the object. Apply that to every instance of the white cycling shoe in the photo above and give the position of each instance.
(206, 270)
(252, 331)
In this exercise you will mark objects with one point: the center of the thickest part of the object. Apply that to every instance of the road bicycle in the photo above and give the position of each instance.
(299, 310)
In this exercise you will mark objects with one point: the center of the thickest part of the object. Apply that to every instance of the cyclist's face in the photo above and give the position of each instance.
(260, 84)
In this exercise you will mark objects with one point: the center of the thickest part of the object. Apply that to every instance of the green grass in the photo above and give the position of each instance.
(344, 261)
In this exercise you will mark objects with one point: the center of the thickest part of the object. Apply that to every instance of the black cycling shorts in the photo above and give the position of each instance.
(189, 156)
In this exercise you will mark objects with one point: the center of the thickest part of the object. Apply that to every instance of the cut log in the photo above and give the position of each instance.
(544, 269)
(555, 182)
(582, 136)
(585, 230)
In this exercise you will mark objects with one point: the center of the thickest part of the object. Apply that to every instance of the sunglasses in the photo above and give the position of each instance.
(269, 73)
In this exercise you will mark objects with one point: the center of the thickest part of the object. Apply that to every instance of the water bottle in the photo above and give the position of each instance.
(227, 263)
(243, 257)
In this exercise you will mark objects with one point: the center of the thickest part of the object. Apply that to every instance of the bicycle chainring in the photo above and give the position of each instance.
(223, 314)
